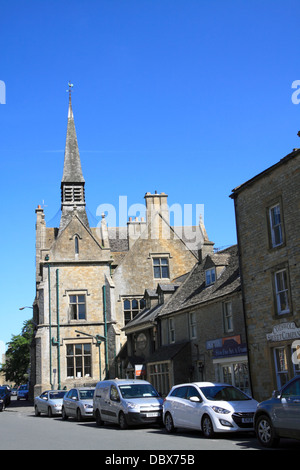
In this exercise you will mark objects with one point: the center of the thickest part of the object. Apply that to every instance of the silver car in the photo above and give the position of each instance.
(78, 403)
(49, 402)
(279, 416)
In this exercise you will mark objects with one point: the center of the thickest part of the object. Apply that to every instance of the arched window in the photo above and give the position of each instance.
(76, 245)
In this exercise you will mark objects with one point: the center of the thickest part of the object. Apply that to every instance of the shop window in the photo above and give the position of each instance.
(281, 366)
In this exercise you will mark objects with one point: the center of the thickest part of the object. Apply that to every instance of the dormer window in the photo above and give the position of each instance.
(210, 276)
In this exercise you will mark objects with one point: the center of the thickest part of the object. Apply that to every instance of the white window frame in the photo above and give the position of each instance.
(276, 225)
(171, 326)
(284, 291)
(228, 316)
(210, 276)
(193, 325)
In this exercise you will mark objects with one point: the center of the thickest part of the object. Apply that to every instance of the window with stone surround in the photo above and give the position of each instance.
(131, 307)
(276, 229)
(282, 291)
(77, 307)
(227, 317)
(161, 268)
(79, 360)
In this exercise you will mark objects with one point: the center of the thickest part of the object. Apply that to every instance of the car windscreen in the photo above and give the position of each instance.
(86, 394)
(56, 395)
(138, 391)
(223, 393)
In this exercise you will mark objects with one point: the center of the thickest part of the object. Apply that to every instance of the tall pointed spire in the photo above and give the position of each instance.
(72, 166)
(72, 184)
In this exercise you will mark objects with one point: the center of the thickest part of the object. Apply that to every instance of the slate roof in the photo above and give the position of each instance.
(72, 166)
(193, 290)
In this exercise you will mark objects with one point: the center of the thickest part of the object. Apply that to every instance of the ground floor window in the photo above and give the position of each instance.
(159, 376)
(79, 360)
(234, 373)
(287, 363)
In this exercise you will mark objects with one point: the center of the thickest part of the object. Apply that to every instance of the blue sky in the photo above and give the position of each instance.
(186, 97)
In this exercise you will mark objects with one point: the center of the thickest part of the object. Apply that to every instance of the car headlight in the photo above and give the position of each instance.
(88, 406)
(131, 405)
(218, 409)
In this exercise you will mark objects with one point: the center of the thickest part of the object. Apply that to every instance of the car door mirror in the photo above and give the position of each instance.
(276, 394)
(195, 399)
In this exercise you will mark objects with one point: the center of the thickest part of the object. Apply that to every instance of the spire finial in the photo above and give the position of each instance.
(70, 114)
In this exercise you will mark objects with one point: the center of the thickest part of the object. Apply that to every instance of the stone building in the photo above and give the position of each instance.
(267, 211)
(194, 329)
(90, 281)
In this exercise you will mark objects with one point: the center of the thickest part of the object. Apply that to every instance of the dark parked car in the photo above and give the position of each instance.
(23, 392)
(279, 416)
(4, 398)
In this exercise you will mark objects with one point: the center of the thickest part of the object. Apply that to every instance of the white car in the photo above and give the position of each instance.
(209, 407)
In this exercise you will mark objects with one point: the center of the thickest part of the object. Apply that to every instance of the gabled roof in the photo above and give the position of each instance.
(283, 161)
(193, 291)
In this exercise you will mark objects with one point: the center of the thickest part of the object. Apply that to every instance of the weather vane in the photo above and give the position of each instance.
(70, 87)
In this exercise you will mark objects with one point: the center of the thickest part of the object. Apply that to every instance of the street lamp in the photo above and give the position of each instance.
(99, 340)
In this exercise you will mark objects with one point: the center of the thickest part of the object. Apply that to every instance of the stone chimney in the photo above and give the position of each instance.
(40, 237)
(157, 213)
(135, 228)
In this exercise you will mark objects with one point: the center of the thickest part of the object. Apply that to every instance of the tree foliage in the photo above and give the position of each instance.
(17, 357)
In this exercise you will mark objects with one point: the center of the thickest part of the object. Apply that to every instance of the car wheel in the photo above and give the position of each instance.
(265, 432)
(98, 418)
(207, 427)
(36, 411)
(122, 421)
(49, 412)
(78, 415)
(169, 424)
(64, 416)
